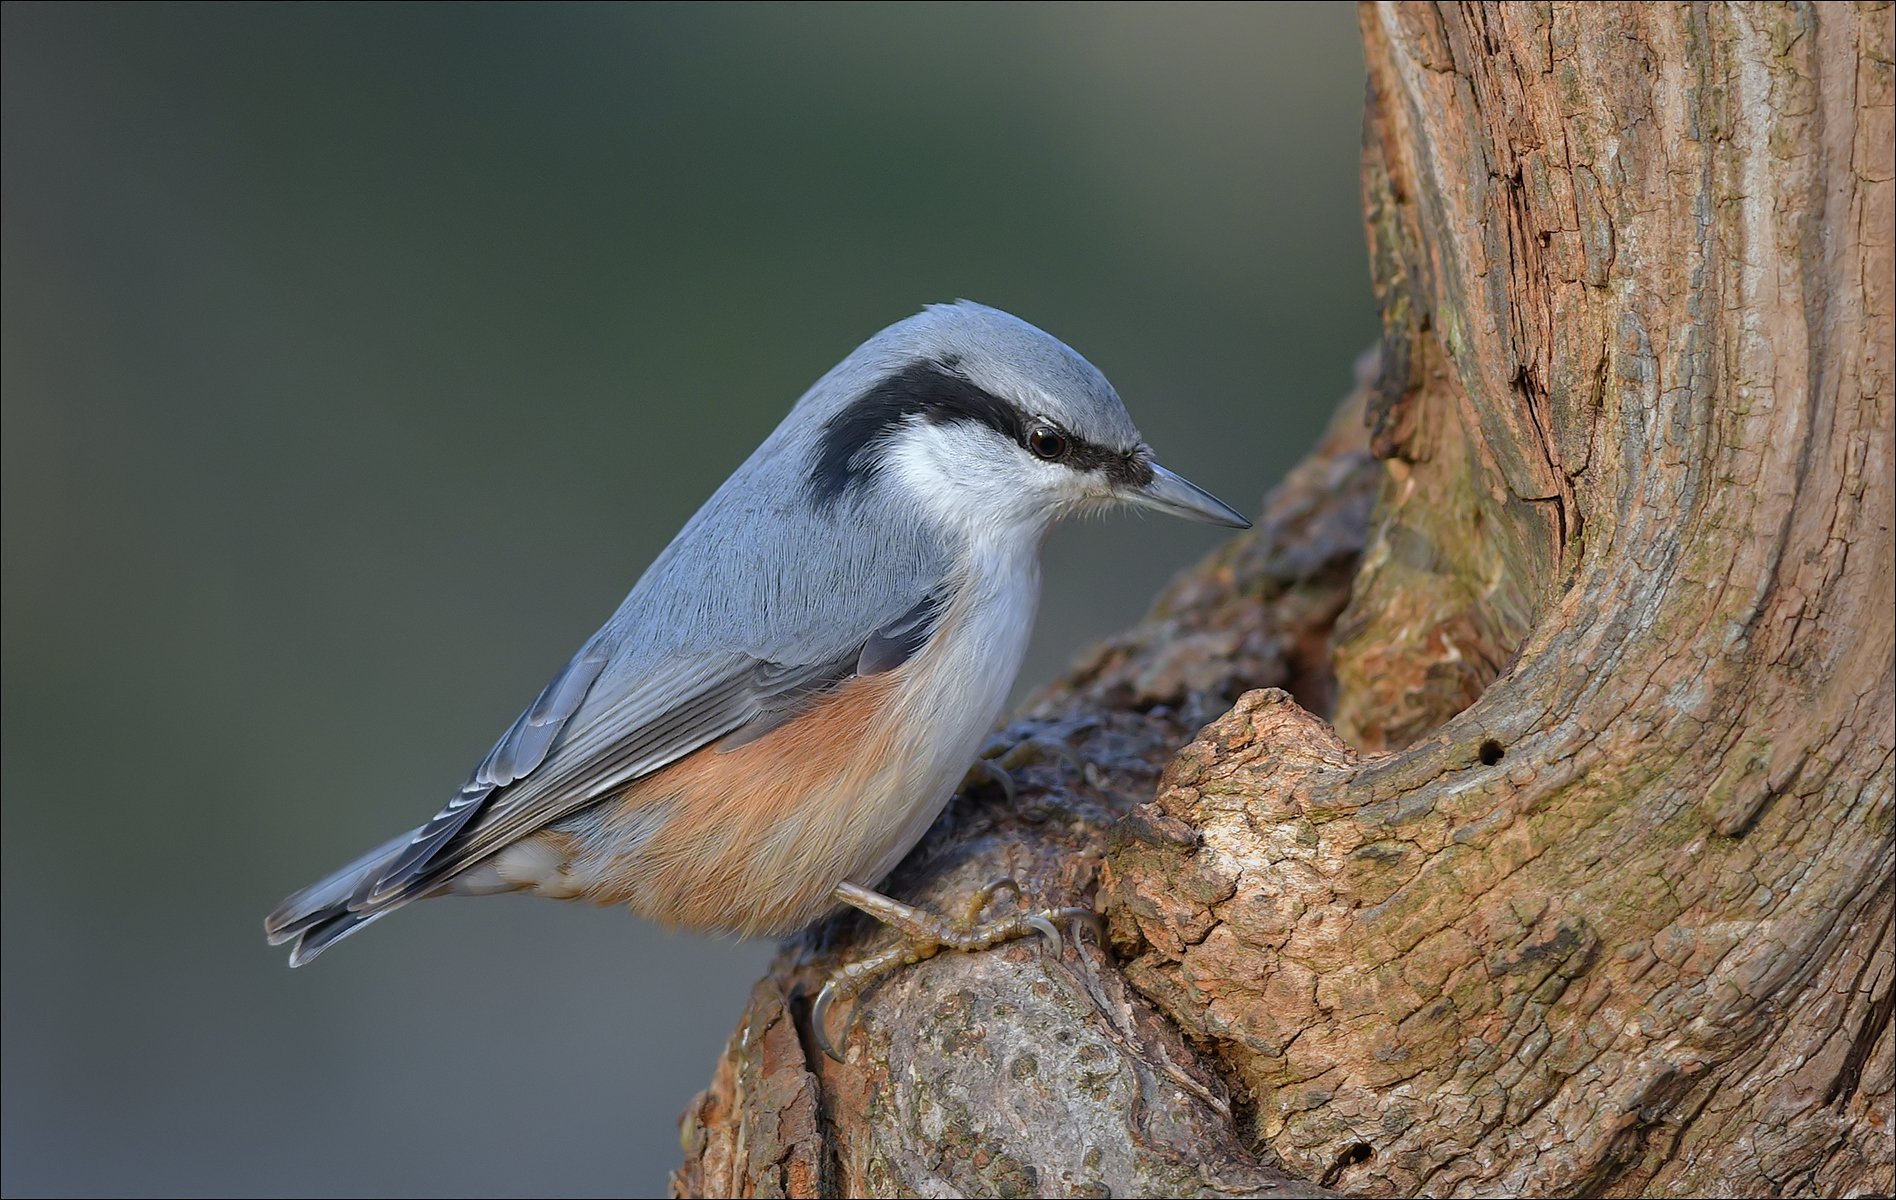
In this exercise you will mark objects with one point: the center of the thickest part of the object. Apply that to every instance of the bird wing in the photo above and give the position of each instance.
(595, 728)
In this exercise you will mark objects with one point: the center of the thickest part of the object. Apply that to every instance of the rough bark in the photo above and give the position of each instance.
(1587, 891)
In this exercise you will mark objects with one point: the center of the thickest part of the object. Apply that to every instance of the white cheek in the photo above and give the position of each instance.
(961, 475)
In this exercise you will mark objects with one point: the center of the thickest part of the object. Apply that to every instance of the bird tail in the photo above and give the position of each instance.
(328, 910)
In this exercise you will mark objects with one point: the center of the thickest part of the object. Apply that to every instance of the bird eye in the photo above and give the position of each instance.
(1047, 442)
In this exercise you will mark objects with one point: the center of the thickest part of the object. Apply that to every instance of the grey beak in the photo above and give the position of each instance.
(1170, 492)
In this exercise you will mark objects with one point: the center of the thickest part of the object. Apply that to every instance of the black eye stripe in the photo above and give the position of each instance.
(1124, 468)
(934, 391)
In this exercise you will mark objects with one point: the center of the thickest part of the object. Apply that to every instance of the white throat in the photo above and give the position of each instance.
(996, 533)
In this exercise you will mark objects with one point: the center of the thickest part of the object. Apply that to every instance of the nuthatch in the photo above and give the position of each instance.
(790, 694)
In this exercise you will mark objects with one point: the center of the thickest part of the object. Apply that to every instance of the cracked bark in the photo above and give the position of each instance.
(1586, 890)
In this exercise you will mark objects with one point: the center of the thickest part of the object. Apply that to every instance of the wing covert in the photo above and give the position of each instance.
(522, 748)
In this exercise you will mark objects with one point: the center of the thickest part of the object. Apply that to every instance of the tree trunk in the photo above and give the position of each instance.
(1588, 889)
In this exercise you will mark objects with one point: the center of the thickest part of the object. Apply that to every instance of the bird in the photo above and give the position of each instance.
(791, 693)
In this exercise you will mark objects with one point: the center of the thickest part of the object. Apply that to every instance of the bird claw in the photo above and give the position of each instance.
(1031, 750)
(926, 935)
(1046, 922)
(996, 768)
(983, 770)
(1039, 923)
(819, 1019)
(977, 903)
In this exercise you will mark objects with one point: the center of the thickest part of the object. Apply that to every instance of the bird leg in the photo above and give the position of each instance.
(926, 934)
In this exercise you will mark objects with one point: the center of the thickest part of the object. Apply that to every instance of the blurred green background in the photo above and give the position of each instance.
(357, 359)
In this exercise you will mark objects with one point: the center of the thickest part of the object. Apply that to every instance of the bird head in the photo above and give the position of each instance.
(989, 426)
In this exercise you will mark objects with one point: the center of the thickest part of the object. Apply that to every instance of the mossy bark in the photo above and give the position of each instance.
(1587, 890)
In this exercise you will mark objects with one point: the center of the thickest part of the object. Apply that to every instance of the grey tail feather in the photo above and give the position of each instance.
(320, 936)
(320, 914)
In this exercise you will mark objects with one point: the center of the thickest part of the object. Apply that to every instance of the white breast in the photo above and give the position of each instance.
(953, 692)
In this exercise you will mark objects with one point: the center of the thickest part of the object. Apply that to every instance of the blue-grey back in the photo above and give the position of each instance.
(761, 570)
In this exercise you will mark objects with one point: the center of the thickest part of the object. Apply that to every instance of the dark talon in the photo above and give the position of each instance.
(819, 1020)
(1046, 929)
(1003, 883)
(979, 902)
(996, 767)
(989, 773)
(1036, 749)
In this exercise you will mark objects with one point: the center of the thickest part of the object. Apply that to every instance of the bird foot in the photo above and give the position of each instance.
(926, 934)
(996, 768)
